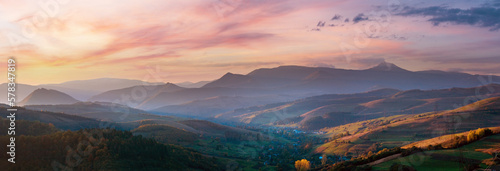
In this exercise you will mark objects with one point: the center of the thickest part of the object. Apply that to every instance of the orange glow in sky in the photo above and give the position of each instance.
(195, 40)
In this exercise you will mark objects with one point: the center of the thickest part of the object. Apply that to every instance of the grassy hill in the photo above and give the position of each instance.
(475, 153)
(395, 131)
(100, 111)
(303, 109)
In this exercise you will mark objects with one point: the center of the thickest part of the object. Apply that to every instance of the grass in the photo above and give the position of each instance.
(420, 161)
(444, 159)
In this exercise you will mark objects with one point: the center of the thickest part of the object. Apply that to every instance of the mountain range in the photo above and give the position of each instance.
(299, 82)
(265, 86)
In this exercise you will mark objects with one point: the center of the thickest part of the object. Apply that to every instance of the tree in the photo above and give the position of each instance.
(302, 165)
(471, 136)
(324, 159)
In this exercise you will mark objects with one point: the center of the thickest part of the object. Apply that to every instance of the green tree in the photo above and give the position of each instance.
(324, 159)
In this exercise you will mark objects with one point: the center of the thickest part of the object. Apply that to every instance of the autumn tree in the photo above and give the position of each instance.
(478, 134)
(302, 165)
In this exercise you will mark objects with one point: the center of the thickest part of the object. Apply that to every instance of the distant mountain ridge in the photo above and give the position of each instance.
(135, 94)
(189, 84)
(332, 80)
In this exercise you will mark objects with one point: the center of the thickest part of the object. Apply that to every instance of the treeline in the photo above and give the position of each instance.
(101, 149)
(23, 127)
(459, 141)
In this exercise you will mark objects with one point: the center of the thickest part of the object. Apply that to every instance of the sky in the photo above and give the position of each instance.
(55, 41)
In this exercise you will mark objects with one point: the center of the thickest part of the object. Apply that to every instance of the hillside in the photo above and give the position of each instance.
(22, 91)
(187, 95)
(60, 120)
(166, 134)
(140, 92)
(209, 107)
(110, 150)
(289, 112)
(101, 111)
(47, 97)
(444, 140)
(213, 129)
(388, 132)
(475, 154)
(320, 111)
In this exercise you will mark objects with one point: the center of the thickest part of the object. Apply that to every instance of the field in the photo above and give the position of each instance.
(446, 159)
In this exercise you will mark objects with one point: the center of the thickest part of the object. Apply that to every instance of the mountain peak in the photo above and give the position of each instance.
(172, 86)
(229, 74)
(44, 96)
(232, 76)
(386, 66)
(229, 80)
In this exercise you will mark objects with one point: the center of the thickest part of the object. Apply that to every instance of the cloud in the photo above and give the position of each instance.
(360, 17)
(336, 17)
(484, 16)
(321, 24)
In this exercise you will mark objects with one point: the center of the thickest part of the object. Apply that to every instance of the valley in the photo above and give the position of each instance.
(249, 122)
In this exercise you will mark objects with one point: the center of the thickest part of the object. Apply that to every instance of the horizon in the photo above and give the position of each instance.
(202, 40)
(189, 81)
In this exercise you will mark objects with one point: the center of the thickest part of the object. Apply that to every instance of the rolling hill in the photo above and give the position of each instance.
(60, 120)
(474, 154)
(101, 111)
(336, 109)
(400, 130)
(127, 118)
(207, 108)
(289, 112)
(22, 91)
(44, 96)
(187, 95)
